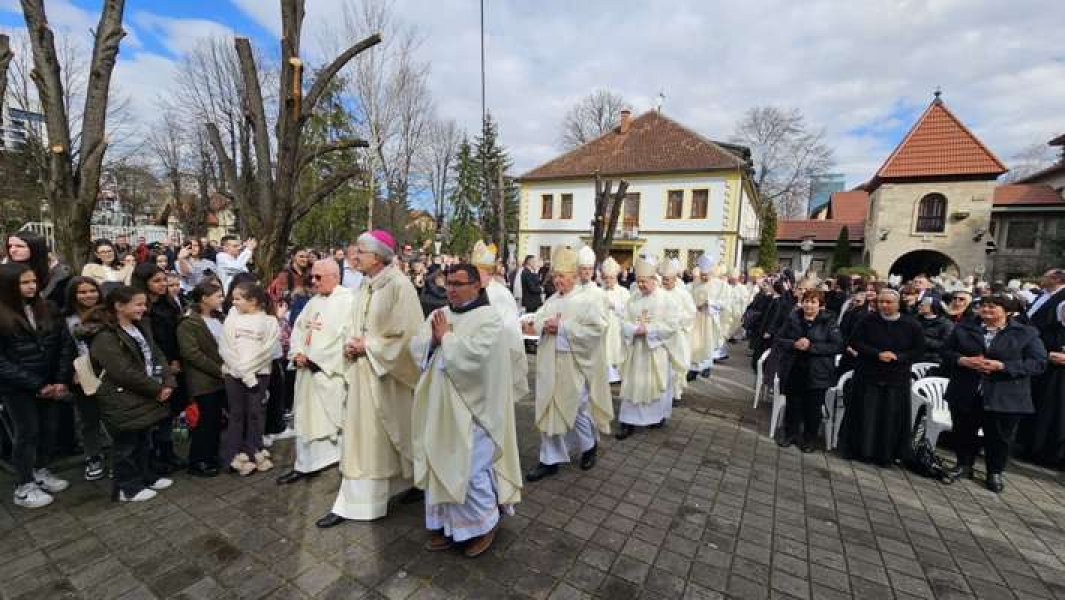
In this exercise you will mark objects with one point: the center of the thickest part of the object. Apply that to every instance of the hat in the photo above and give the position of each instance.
(756, 272)
(720, 270)
(666, 268)
(564, 260)
(586, 257)
(705, 263)
(380, 243)
(645, 268)
(610, 267)
(483, 255)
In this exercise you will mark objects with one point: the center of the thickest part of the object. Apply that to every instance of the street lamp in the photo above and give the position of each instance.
(807, 248)
(438, 239)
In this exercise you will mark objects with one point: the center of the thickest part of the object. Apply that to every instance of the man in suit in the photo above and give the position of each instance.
(1042, 314)
(531, 290)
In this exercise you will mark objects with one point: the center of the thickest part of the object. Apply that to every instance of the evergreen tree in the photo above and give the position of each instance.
(492, 159)
(841, 254)
(465, 202)
(767, 248)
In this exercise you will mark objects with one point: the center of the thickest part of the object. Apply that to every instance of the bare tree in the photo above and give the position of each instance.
(438, 161)
(1030, 159)
(394, 107)
(168, 141)
(788, 156)
(596, 114)
(271, 201)
(74, 176)
(608, 208)
(5, 62)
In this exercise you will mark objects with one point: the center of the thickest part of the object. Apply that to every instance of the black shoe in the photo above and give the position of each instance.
(94, 468)
(588, 458)
(624, 431)
(806, 447)
(329, 520)
(410, 496)
(995, 483)
(658, 425)
(541, 471)
(294, 476)
(692, 375)
(784, 441)
(960, 471)
(203, 469)
(705, 374)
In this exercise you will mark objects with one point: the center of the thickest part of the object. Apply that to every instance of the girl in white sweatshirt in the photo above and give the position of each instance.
(249, 337)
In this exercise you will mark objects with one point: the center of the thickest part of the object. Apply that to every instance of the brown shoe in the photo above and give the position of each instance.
(479, 545)
(438, 541)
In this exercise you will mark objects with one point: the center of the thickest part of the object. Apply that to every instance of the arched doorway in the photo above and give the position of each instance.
(929, 262)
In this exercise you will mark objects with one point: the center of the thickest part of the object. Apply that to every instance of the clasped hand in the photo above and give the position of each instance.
(355, 347)
(53, 391)
(981, 364)
(801, 344)
(440, 327)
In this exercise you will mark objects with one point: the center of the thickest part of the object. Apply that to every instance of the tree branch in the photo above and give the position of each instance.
(5, 59)
(327, 74)
(255, 114)
(324, 189)
(309, 156)
(46, 75)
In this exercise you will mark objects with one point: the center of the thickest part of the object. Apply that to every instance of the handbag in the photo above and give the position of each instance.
(87, 378)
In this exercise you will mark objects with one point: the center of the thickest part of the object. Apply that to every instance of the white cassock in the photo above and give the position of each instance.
(616, 298)
(704, 329)
(718, 295)
(500, 298)
(465, 439)
(647, 375)
(318, 398)
(572, 391)
(376, 461)
(684, 313)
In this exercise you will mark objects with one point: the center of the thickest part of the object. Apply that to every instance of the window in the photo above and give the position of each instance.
(675, 204)
(1021, 235)
(547, 202)
(693, 258)
(672, 253)
(631, 212)
(545, 254)
(932, 213)
(567, 207)
(700, 203)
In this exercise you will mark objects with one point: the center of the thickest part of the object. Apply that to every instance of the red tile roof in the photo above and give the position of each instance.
(849, 207)
(939, 145)
(818, 230)
(1025, 194)
(654, 143)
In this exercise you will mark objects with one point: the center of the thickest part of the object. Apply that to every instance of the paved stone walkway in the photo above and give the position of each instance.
(706, 508)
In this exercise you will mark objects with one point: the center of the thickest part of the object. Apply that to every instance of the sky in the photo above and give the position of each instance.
(863, 71)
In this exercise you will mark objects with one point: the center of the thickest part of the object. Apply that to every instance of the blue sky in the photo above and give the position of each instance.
(863, 71)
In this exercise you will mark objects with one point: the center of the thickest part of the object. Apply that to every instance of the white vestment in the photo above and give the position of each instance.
(705, 327)
(684, 313)
(318, 398)
(616, 298)
(650, 360)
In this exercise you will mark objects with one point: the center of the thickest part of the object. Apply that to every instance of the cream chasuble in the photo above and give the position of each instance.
(500, 298)
(319, 333)
(681, 344)
(616, 298)
(467, 380)
(571, 362)
(649, 358)
(704, 329)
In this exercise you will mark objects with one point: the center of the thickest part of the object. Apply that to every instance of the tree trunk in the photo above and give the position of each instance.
(5, 60)
(608, 208)
(72, 188)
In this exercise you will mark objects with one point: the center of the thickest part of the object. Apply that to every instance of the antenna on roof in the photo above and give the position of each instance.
(937, 94)
(660, 99)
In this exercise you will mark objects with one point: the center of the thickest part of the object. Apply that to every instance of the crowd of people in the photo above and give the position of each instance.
(403, 369)
(1000, 346)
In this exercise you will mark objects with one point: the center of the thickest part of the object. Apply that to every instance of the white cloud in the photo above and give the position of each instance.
(179, 36)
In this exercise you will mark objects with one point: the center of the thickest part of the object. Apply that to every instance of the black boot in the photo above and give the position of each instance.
(624, 431)
(705, 374)
(540, 471)
(588, 458)
(961, 470)
(995, 483)
(658, 425)
(692, 375)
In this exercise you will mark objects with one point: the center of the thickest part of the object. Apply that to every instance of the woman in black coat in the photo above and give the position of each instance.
(936, 327)
(991, 364)
(808, 344)
(876, 424)
(1043, 433)
(36, 365)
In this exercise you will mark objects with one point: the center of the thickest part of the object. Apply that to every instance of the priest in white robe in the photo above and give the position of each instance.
(684, 313)
(483, 258)
(650, 361)
(317, 352)
(465, 438)
(375, 465)
(616, 297)
(572, 393)
(705, 327)
(719, 295)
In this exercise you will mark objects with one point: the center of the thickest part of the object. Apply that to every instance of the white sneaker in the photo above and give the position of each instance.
(49, 482)
(268, 440)
(29, 495)
(141, 496)
(286, 434)
(161, 484)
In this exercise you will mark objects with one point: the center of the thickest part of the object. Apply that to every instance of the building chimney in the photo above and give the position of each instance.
(626, 120)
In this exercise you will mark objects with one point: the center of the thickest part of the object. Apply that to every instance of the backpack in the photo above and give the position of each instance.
(923, 459)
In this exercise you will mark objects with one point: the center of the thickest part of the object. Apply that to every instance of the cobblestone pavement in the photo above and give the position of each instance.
(707, 507)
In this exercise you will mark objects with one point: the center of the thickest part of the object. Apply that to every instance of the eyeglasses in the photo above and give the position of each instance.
(318, 277)
(455, 284)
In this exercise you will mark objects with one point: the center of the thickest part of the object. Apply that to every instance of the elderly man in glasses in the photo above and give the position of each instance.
(317, 352)
(376, 458)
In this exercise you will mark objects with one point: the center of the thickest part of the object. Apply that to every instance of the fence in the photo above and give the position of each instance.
(150, 233)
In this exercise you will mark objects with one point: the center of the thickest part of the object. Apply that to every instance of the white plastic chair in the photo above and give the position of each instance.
(758, 377)
(930, 391)
(834, 406)
(920, 370)
(779, 403)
